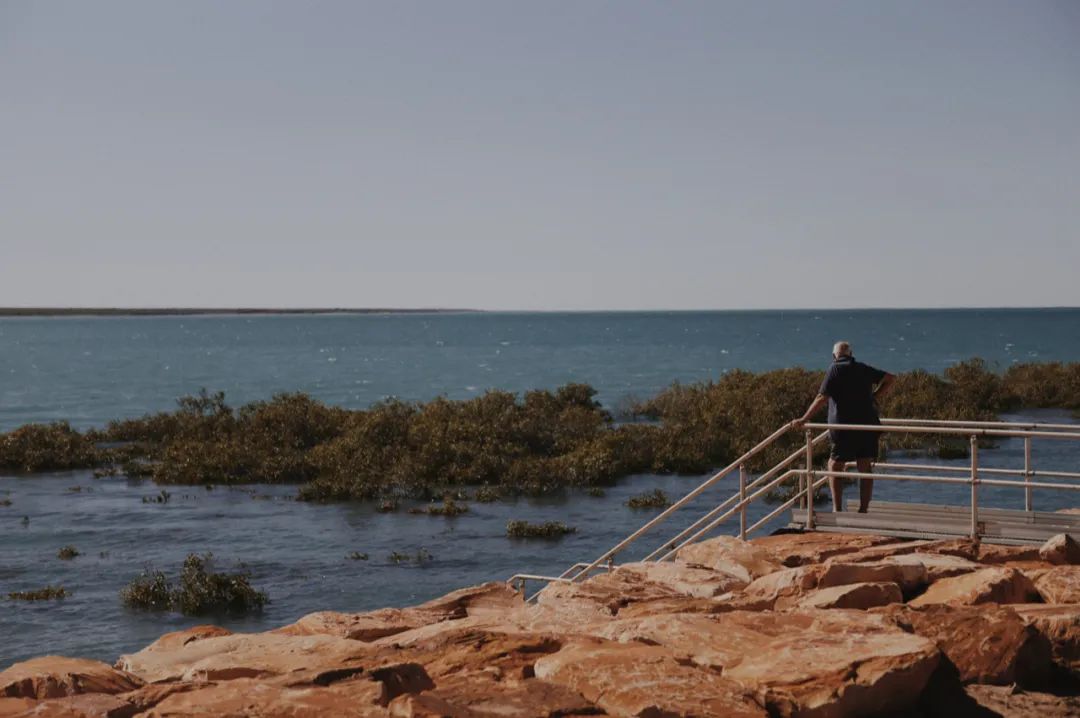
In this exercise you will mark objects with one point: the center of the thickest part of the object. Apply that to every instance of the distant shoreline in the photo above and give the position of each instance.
(195, 311)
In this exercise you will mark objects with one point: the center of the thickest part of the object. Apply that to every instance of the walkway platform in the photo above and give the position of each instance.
(932, 521)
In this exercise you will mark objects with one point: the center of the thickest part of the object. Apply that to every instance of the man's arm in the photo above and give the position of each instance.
(884, 385)
(819, 401)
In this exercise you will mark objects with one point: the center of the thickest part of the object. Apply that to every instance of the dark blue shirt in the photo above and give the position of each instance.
(850, 387)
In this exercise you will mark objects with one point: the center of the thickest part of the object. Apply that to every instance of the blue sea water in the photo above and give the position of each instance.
(90, 370)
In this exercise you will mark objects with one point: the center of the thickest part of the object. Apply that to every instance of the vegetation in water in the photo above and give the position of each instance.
(420, 556)
(448, 507)
(5, 502)
(42, 594)
(66, 553)
(655, 499)
(549, 529)
(506, 445)
(198, 591)
(357, 556)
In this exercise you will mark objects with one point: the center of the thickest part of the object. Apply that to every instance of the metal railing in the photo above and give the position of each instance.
(810, 480)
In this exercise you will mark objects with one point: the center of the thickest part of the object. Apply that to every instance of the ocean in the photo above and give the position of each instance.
(89, 370)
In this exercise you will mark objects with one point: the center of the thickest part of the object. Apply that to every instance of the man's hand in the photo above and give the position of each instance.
(799, 423)
(819, 401)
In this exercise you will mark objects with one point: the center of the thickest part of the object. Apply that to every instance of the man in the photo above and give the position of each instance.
(850, 388)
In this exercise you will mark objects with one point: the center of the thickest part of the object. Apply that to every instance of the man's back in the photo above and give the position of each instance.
(850, 387)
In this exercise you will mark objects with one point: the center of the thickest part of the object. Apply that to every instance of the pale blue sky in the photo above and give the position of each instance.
(543, 155)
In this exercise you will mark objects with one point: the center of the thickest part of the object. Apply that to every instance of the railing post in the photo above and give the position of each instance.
(974, 487)
(742, 498)
(1027, 473)
(809, 479)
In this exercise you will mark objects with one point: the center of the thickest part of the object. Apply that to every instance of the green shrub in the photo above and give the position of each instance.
(655, 499)
(449, 507)
(66, 553)
(46, 447)
(42, 594)
(550, 529)
(198, 591)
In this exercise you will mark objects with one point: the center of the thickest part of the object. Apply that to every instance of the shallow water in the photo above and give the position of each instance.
(90, 370)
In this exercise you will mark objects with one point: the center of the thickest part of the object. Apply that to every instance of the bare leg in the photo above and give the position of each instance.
(866, 486)
(836, 485)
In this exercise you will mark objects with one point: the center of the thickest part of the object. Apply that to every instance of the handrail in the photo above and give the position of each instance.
(810, 480)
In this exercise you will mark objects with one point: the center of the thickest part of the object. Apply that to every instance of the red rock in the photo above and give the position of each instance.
(800, 549)
(856, 595)
(908, 576)
(245, 697)
(685, 579)
(640, 680)
(471, 696)
(988, 585)
(10, 707)
(1060, 625)
(986, 644)
(242, 656)
(1060, 585)
(780, 589)
(938, 566)
(86, 705)
(486, 600)
(998, 554)
(730, 555)
(1061, 550)
(57, 676)
(1015, 703)
(603, 594)
(804, 662)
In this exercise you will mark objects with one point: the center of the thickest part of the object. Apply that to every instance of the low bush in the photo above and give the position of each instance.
(47, 447)
(42, 594)
(66, 553)
(198, 591)
(655, 499)
(449, 507)
(550, 529)
(418, 557)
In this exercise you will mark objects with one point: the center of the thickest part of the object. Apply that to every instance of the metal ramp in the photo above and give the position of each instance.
(907, 520)
(935, 521)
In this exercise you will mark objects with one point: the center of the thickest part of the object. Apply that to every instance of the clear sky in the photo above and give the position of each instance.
(542, 155)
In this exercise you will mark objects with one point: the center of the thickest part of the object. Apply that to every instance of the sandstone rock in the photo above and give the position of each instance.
(730, 555)
(57, 676)
(1060, 625)
(856, 595)
(800, 549)
(782, 588)
(999, 554)
(486, 600)
(499, 656)
(883, 551)
(909, 576)
(1015, 703)
(245, 697)
(605, 593)
(988, 585)
(640, 680)
(242, 656)
(1060, 585)
(961, 547)
(938, 566)
(985, 644)
(11, 707)
(1061, 549)
(806, 662)
(86, 705)
(686, 579)
(468, 697)
(677, 604)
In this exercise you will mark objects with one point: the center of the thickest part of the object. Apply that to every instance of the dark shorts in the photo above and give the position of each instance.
(852, 445)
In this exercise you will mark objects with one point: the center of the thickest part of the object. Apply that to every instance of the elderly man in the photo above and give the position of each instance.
(850, 388)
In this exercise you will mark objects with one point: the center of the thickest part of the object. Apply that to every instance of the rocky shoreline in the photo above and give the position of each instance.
(814, 624)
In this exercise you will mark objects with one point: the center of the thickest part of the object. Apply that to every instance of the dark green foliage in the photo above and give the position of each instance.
(198, 592)
(449, 507)
(42, 594)
(421, 556)
(357, 556)
(46, 447)
(655, 499)
(550, 529)
(536, 444)
(66, 553)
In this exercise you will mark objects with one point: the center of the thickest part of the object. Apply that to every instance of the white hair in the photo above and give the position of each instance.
(841, 349)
